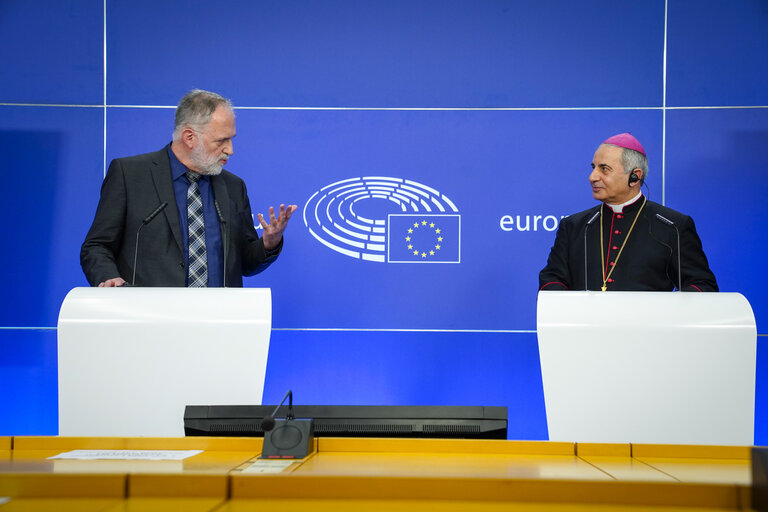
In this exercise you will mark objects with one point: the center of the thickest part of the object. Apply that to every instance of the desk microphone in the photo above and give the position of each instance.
(225, 236)
(586, 228)
(146, 221)
(677, 231)
(288, 438)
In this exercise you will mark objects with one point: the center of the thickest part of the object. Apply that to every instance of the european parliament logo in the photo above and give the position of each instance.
(385, 220)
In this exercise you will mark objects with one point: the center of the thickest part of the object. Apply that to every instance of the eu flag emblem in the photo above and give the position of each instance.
(423, 238)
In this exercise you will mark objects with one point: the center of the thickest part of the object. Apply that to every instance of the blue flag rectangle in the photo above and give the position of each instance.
(423, 238)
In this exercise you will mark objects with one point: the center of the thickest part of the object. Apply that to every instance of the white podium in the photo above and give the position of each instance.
(130, 359)
(648, 367)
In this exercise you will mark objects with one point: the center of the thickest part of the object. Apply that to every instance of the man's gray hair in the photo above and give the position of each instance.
(632, 160)
(195, 110)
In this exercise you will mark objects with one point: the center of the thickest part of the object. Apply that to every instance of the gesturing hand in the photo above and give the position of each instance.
(273, 232)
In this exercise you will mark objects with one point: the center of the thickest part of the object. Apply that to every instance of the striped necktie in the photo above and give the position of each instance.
(197, 273)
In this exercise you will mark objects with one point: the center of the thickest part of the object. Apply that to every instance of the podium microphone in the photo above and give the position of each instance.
(679, 272)
(146, 221)
(225, 234)
(586, 228)
(288, 438)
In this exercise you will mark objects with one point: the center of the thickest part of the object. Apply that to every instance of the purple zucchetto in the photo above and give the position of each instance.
(626, 140)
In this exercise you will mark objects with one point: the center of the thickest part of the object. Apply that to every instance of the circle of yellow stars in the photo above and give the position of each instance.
(422, 252)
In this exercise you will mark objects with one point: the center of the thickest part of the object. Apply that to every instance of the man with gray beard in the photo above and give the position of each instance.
(204, 235)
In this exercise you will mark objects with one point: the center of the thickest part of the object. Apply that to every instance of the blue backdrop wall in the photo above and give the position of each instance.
(480, 117)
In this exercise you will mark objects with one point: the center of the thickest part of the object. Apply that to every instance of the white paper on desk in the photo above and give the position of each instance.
(268, 466)
(127, 454)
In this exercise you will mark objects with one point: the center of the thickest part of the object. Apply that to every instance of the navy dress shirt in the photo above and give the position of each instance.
(213, 244)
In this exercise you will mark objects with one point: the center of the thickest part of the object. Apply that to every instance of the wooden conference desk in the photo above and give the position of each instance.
(347, 474)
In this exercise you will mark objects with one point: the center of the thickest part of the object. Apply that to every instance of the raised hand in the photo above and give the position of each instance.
(273, 231)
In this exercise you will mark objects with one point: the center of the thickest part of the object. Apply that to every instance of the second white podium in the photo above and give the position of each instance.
(648, 367)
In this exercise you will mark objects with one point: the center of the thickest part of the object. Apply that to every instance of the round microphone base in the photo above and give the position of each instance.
(290, 439)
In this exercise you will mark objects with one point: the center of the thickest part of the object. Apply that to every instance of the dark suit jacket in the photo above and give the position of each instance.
(648, 261)
(133, 188)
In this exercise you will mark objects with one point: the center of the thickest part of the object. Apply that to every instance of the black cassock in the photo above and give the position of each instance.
(648, 261)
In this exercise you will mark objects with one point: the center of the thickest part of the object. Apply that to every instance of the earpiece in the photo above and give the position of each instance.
(633, 178)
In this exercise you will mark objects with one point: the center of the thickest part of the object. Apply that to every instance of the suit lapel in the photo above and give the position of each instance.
(161, 175)
(221, 196)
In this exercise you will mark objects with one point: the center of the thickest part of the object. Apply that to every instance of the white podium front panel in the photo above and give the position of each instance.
(130, 359)
(648, 367)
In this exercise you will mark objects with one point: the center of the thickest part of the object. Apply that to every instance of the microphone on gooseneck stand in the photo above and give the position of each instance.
(268, 423)
(288, 438)
(225, 235)
(586, 228)
(144, 222)
(677, 231)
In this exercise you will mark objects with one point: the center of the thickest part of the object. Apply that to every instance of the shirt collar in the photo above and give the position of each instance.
(178, 169)
(618, 208)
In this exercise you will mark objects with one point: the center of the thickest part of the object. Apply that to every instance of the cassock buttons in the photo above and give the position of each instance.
(612, 263)
(610, 280)
(617, 232)
(615, 247)
(620, 216)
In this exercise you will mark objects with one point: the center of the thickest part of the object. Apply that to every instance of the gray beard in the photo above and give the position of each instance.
(206, 164)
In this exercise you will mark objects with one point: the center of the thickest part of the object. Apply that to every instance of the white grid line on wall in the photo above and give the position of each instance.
(664, 115)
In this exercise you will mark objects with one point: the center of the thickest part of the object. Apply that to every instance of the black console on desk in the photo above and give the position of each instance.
(470, 422)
